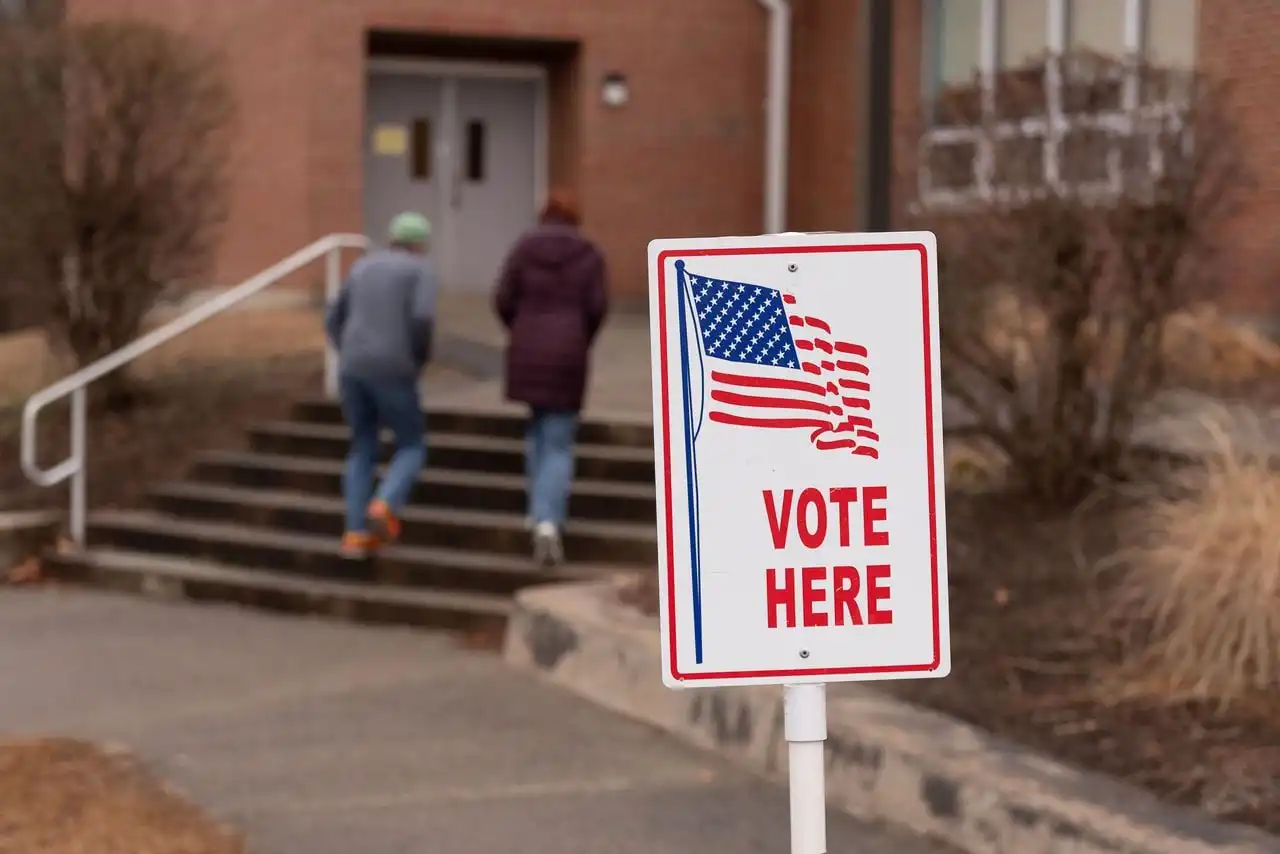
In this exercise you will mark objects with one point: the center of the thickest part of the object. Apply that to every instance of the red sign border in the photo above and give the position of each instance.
(930, 452)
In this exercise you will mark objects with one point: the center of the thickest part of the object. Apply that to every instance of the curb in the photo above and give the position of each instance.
(887, 761)
(26, 534)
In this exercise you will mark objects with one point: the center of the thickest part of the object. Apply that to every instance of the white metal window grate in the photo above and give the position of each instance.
(1131, 131)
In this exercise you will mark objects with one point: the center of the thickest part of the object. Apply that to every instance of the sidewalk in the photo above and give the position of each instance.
(328, 739)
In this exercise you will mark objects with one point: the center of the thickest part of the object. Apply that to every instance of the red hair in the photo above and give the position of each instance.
(561, 207)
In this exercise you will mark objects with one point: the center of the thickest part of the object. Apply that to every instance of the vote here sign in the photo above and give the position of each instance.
(798, 439)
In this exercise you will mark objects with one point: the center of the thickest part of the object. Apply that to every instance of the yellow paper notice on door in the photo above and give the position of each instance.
(390, 140)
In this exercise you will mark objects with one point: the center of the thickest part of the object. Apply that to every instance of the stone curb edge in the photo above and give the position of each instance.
(25, 534)
(887, 761)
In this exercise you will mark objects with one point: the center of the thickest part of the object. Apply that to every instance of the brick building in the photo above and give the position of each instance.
(656, 112)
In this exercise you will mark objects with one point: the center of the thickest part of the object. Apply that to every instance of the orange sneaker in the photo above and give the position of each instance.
(382, 521)
(357, 545)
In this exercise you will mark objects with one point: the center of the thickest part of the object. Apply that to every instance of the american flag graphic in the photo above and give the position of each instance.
(775, 367)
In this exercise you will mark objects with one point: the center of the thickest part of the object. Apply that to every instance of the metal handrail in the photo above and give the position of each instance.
(73, 466)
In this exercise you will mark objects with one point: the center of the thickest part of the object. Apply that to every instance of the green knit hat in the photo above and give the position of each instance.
(410, 227)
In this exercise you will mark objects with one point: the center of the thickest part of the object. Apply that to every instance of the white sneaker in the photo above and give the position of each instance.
(547, 549)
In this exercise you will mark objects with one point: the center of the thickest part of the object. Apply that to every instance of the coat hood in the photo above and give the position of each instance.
(555, 246)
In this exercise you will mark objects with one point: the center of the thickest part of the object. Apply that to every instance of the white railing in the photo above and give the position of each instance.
(73, 467)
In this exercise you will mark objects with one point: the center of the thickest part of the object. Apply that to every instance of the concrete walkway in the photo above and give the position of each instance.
(327, 739)
(619, 384)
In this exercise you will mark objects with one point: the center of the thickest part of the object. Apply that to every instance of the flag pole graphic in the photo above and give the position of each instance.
(691, 477)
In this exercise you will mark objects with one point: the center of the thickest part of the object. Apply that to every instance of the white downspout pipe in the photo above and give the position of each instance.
(777, 115)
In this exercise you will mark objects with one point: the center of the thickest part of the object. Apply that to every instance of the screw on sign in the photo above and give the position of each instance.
(798, 431)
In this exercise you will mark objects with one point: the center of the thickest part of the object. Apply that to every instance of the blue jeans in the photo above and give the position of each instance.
(369, 405)
(548, 463)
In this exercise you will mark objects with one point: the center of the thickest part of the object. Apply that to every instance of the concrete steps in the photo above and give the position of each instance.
(308, 555)
(475, 530)
(260, 526)
(469, 490)
(466, 451)
(592, 431)
(182, 577)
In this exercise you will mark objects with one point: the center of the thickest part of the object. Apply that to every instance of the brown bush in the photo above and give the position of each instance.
(1199, 595)
(114, 148)
(1055, 294)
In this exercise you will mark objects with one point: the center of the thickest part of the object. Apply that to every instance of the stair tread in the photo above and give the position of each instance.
(512, 413)
(186, 569)
(584, 486)
(310, 543)
(308, 430)
(334, 504)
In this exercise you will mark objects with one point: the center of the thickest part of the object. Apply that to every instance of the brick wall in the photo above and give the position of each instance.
(268, 45)
(685, 156)
(824, 115)
(1237, 40)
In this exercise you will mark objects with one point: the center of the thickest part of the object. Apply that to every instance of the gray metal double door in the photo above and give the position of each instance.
(463, 151)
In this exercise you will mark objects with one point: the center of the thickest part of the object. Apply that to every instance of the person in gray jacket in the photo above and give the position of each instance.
(381, 324)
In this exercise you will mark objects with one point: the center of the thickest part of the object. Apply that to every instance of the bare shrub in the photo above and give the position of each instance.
(114, 148)
(1199, 595)
(1055, 287)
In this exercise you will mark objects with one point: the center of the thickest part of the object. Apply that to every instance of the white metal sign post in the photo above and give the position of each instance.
(798, 437)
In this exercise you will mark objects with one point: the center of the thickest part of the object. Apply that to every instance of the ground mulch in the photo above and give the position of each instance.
(59, 796)
(1035, 658)
(1038, 658)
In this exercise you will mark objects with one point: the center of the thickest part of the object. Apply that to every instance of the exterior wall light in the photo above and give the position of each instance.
(614, 91)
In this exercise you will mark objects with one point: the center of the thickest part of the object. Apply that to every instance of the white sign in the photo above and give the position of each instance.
(390, 140)
(798, 437)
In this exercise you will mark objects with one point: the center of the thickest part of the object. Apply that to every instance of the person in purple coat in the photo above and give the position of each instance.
(552, 296)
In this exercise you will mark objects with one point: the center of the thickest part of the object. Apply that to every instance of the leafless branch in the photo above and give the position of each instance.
(1057, 282)
(114, 150)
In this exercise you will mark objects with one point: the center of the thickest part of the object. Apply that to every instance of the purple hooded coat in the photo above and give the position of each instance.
(552, 297)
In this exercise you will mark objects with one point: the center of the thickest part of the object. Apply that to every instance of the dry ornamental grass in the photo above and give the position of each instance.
(1200, 592)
